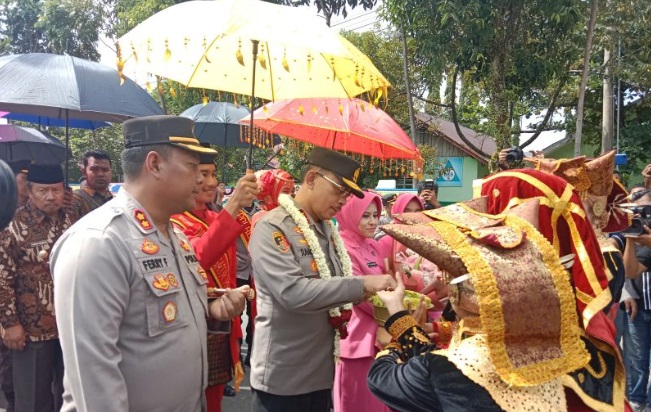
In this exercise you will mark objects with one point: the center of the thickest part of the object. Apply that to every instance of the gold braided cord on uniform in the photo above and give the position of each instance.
(492, 316)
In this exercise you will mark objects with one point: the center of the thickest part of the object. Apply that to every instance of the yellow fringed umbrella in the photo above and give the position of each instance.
(205, 44)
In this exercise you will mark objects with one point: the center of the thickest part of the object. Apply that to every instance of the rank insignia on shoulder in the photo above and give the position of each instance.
(169, 312)
(172, 279)
(313, 266)
(281, 241)
(141, 217)
(161, 282)
(302, 241)
(185, 245)
(202, 272)
(149, 247)
(298, 230)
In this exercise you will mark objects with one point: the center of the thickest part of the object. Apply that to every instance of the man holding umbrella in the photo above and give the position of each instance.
(26, 291)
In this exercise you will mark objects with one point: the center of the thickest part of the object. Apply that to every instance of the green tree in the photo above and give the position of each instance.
(51, 26)
(512, 51)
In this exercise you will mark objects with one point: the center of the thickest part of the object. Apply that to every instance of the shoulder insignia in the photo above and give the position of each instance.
(185, 245)
(161, 282)
(314, 267)
(169, 311)
(172, 280)
(302, 241)
(281, 241)
(149, 247)
(202, 273)
(298, 230)
(141, 217)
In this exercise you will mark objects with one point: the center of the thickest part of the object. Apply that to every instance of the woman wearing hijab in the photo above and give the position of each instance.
(358, 220)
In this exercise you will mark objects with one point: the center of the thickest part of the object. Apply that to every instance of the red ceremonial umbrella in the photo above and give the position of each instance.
(347, 125)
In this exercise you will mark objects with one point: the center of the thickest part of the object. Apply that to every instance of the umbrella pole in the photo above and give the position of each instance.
(249, 157)
(67, 148)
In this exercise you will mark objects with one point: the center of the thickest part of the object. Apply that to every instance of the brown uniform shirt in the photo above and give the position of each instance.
(26, 287)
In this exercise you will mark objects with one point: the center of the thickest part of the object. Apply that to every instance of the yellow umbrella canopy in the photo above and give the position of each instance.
(208, 44)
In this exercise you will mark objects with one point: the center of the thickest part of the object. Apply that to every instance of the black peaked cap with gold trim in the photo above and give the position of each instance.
(343, 166)
(154, 130)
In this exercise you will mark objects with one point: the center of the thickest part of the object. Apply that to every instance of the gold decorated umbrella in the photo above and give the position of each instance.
(213, 44)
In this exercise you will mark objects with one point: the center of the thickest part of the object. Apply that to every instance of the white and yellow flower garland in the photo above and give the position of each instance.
(286, 202)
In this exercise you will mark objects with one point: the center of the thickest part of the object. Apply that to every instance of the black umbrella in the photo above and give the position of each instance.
(66, 87)
(217, 123)
(25, 143)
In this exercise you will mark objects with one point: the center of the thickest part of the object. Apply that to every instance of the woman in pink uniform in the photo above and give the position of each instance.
(358, 220)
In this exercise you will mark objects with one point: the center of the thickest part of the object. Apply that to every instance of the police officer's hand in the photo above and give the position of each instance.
(14, 337)
(243, 195)
(376, 283)
(228, 306)
(630, 305)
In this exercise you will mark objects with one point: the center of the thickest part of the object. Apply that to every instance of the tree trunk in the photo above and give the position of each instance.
(608, 105)
(584, 77)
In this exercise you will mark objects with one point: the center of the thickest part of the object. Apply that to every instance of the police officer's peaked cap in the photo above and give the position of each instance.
(389, 198)
(206, 158)
(45, 173)
(154, 130)
(343, 166)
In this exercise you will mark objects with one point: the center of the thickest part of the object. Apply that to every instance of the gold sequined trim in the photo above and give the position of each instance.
(401, 325)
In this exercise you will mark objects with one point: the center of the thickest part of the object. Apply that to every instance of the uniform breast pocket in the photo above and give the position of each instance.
(308, 266)
(165, 310)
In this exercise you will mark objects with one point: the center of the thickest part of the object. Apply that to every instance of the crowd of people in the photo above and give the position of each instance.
(134, 302)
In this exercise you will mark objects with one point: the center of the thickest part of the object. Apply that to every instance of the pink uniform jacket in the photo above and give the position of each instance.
(367, 260)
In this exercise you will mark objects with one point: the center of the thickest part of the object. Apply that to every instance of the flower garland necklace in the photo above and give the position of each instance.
(339, 317)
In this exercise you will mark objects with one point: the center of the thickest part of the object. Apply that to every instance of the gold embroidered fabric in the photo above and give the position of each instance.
(473, 358)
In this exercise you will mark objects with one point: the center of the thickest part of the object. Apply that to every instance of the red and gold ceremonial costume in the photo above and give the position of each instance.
(213, 236)
(563, 220)
(271, 183)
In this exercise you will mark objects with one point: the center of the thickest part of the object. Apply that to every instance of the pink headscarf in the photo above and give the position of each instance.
(349, 216)
(403, 200)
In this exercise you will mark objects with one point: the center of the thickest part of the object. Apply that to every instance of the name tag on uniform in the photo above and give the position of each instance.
(371, 264)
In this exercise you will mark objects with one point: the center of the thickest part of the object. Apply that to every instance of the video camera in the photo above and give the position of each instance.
(641, 218)
(514, 154)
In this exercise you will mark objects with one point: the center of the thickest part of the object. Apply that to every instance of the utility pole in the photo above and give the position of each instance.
(410, 101)
(608, 101)
(584, 77)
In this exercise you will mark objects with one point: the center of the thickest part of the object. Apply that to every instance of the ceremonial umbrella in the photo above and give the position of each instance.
(66, 87)
(347, 125)
(25, 143)
(205, 44)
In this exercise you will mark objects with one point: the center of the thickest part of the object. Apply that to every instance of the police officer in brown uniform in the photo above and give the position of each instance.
(130, 296)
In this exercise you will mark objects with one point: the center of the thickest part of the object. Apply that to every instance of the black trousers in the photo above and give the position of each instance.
(38, 376)
(6, 376)
(319, 401)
